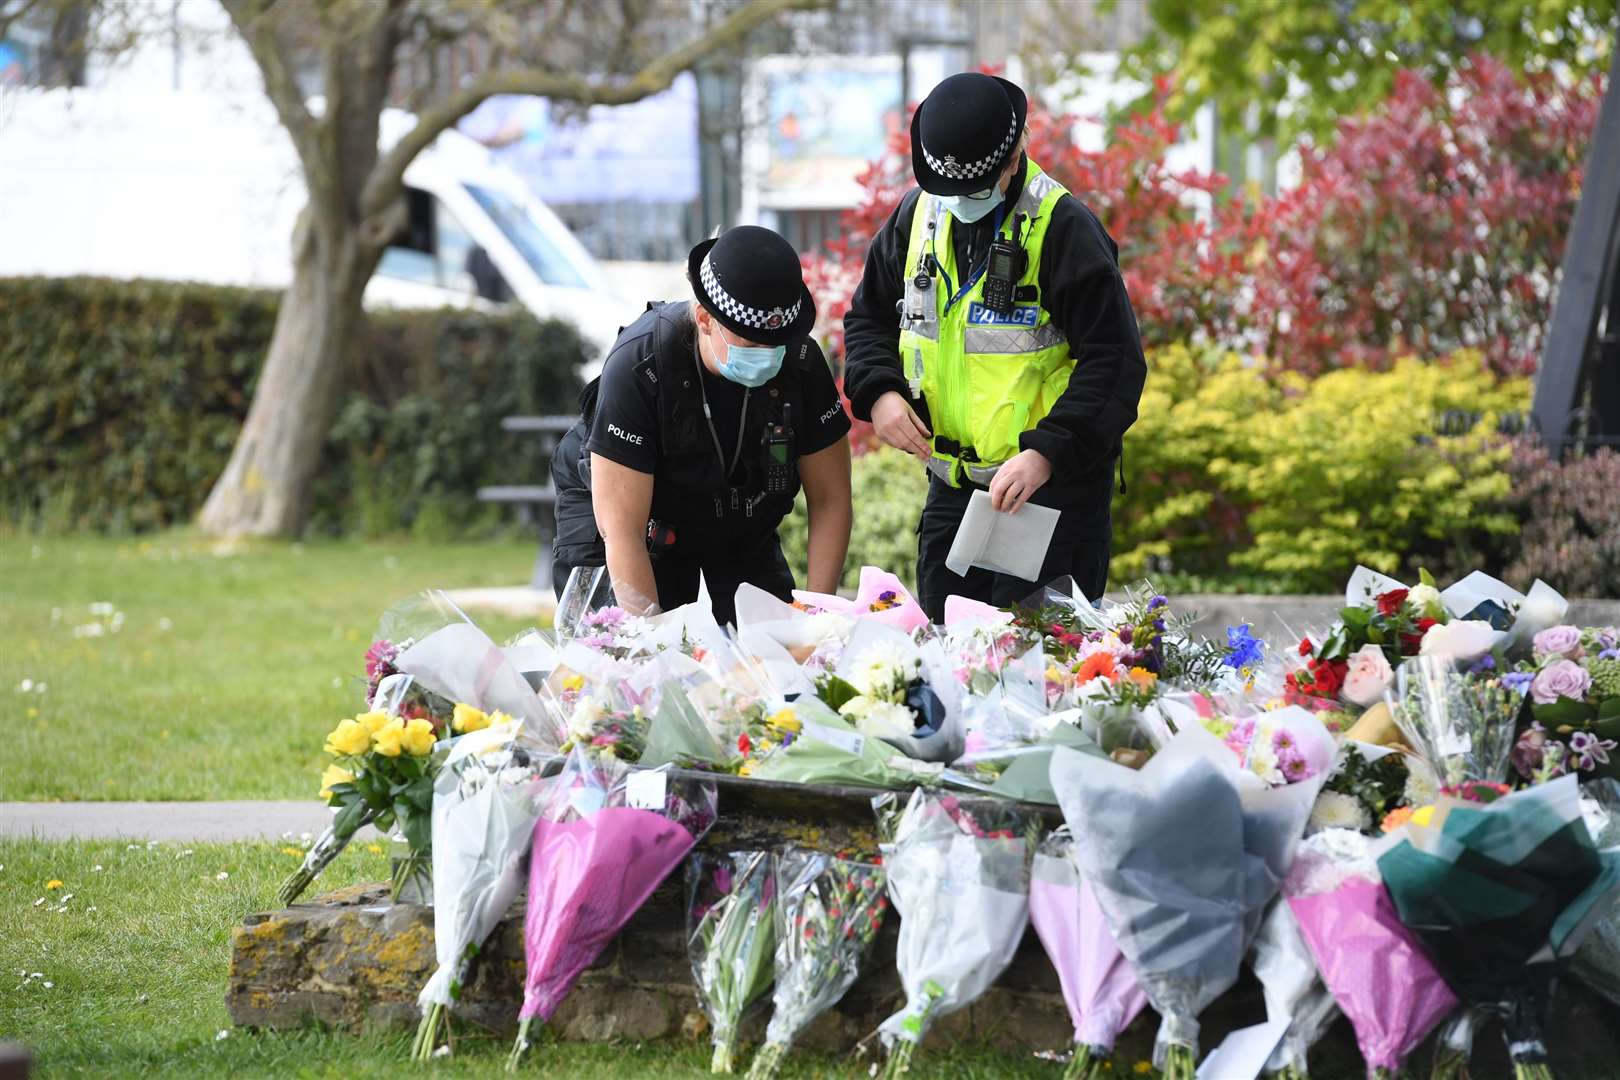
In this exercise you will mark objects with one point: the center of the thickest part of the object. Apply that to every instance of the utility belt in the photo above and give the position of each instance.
(952, 462)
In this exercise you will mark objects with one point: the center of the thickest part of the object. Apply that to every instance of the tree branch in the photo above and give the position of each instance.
(250, 17)
(10, 15)
(385, 182)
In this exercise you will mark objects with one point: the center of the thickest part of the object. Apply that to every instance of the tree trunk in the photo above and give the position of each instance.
(264, 490)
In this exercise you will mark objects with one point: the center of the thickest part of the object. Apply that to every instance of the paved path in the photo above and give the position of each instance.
(180, 821)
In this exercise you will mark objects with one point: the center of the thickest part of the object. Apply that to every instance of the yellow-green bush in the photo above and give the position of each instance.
(889, 489)
(1298, 479)
(1272, 479)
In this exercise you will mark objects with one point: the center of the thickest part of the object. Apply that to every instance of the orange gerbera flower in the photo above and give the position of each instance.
(1396, 818)
(1098, 663)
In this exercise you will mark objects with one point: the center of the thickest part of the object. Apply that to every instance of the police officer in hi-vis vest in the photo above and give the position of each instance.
(707, 418)
(992, 338)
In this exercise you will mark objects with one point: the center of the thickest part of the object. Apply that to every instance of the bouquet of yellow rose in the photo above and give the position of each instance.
(382, 775)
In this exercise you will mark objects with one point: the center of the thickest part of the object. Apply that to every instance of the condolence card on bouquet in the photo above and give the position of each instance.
(1014, 543)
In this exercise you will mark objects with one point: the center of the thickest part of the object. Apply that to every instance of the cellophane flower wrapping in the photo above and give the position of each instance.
(1597, 961)
(448, 655)
(1184, 856)
(959, 877)
(678, 734)
(1377, 970)
(881, 598)
(828, 750)
(1462, 727)
(1010, 732)
(1294, 993)
(484, 811)
(1099, 985)
(603, 843)
(731, 940)
(1500, 893)
(828, 910)
(904, 692)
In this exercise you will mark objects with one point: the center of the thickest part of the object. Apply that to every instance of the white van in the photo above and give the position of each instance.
(188, 186)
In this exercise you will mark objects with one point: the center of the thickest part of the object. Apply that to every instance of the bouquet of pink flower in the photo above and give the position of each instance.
(1098, 984)
(1573, 681)
(1375, 967)
(881, 596)
(606, 838)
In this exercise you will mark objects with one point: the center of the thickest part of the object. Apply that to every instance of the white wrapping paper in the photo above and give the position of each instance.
(481, 835)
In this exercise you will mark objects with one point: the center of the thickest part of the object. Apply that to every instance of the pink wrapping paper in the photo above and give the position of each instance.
(960, 610)
(907, 615)
(1098, 984)
(586, 878)
(1375, 968)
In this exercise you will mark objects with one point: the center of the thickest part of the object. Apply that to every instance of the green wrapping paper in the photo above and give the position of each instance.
(678, 736)
(828, 750)
(1029, 777)
(1500, 894)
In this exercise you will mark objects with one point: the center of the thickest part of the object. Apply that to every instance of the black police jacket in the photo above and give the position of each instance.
(692, 496)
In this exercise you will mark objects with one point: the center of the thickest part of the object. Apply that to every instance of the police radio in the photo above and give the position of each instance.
(779, 454)
(1001, 273)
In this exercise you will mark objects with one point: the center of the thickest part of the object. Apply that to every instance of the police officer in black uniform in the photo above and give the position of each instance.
(699, 432)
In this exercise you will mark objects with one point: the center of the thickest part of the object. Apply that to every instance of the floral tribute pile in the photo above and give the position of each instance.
(1403, 817)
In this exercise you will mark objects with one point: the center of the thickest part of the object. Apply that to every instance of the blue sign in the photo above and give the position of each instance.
(1023, 315)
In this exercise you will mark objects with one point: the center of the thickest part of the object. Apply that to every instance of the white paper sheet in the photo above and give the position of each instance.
(1243, 1053)
(1014, 544)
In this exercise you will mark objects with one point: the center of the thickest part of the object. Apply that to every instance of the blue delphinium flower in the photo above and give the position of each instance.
(1243, 649)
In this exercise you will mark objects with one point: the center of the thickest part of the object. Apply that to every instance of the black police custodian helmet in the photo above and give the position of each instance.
(965, 132)
(749, 279)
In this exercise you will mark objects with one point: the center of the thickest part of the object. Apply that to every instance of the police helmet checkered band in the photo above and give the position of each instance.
(952, 169)
(739, 312)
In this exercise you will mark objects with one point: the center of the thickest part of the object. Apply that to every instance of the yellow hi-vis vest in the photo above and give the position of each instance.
(987, 377)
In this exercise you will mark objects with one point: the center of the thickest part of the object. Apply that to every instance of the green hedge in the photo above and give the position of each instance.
(122, 401)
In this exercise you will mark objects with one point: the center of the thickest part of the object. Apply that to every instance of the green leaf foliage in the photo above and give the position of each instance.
(1235, 467)
(1342, 58)
(888, 489)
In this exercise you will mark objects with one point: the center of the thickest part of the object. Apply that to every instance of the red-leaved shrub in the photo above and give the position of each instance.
(1436, 222)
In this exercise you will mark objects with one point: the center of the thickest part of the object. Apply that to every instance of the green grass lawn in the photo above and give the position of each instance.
(135, 961)
(228, 666)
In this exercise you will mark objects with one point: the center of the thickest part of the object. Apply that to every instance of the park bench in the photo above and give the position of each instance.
(536, 503)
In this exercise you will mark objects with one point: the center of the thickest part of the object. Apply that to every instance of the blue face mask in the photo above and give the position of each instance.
(970, 208)
(752, 365)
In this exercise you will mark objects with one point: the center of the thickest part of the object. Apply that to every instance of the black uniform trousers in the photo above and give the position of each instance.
(1081, 543)
(725, 560)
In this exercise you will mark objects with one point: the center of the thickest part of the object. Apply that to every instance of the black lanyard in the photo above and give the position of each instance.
(708, 417)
